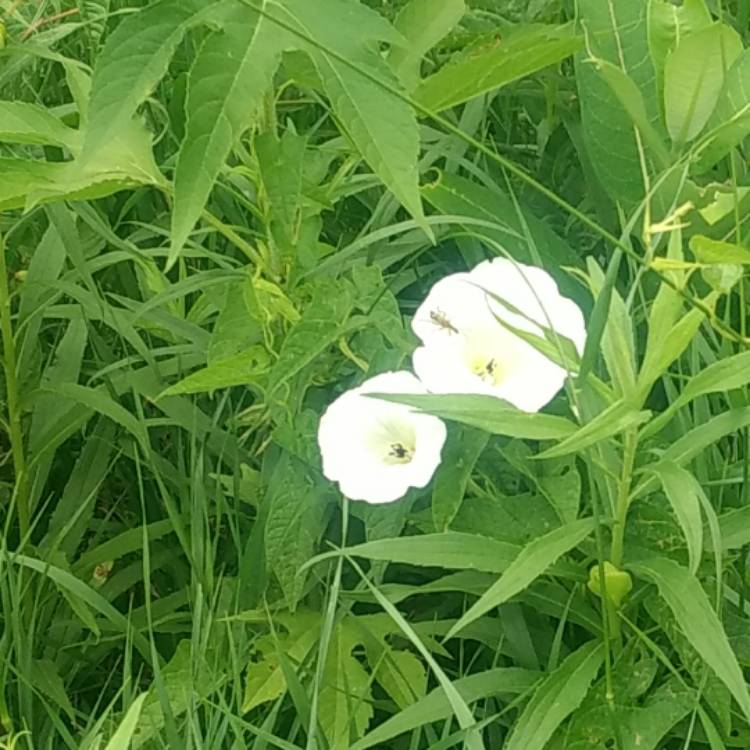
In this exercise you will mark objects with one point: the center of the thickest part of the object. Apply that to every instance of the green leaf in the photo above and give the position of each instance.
(30, 123)
(694, 75)
(631, 99)
(133, 60)
(729, 124)
(281, 163)
(557, 696)
(296, 508)
(460, 454)
(689, 604)
(84, 593)
(123, 736)
(616, 32)
(683, 492)
(422, 24)
(616, 418)
(533, 560)
(241, 369)
(450, 549)
(458, 196)
(709, 251)
(360, 87)
(523, 52)
(435, 706)
(231, 72)
(668, 23)
(99, 401)
(488, 413)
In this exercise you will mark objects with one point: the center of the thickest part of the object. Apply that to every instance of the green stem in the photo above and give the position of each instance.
(14, 407)
(623, 498)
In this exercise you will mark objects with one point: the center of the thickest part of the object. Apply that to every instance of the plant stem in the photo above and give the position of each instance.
(14, 407)
(623, 498)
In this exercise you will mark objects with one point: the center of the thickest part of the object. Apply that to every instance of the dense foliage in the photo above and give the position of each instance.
(216, 216)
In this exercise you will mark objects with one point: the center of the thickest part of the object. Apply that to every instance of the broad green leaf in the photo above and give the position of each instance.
(686, 598)
(450, 549)
(458, 196)
(616, 418)
(21, 177)
(460, 454)
(281, 163)
(401, 674)
(184, 679)
(134, 59)
(694, 75)
(436, 707)
(524, 51)
(533, 561)
(322, 324)
(31, 123)
(556, 697)
(296, 508)
(359, 85)
(669, 23)
(122, 738)
(729, 124)
(683, 492)
(712, 252)
(345, 700)
(422, 24)
(232, 71)
(615, 32)
(241, 369)
(631, 99)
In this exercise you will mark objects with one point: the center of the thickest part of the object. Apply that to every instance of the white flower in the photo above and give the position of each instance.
(467, 349)
(377, 450)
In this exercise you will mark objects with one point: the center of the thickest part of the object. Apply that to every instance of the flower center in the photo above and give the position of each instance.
(399, 453)
(487, 370)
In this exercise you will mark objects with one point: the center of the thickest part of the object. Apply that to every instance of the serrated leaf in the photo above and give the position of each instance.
(502, 61)
(533, 560)
(688, 601)
(231, 72)
(694, 75)
(557, 696)
(296, 508)
(134, 59)
(240, 369)
(422, 24)
(31, 123)
(490, 414)
(380, 124)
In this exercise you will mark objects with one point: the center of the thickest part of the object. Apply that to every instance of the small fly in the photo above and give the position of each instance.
(440, 319)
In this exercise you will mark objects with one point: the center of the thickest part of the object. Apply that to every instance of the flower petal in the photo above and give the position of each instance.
(377, 450)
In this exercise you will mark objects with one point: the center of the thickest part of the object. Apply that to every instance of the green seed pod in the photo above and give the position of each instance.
(618, 582)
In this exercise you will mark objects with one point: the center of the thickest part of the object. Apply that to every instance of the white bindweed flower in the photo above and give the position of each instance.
(467, 349)
(377, 450)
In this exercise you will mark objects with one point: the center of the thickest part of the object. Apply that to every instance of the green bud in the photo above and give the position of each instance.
(618, 582)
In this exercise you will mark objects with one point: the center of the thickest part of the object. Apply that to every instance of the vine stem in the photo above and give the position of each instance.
(13, 401)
